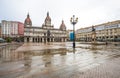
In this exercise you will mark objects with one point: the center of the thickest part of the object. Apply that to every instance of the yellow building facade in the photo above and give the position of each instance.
(109, 31)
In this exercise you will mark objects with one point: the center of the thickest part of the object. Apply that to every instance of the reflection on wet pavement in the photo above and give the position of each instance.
(53, 60)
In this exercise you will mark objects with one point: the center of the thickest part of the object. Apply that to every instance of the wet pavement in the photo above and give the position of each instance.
(59, 60)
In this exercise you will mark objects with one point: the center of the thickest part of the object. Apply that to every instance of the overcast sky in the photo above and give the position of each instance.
(89, 12)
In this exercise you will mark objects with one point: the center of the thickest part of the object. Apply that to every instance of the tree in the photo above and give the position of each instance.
(8, 39)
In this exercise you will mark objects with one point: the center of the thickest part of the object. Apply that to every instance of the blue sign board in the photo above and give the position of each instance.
(71, 36)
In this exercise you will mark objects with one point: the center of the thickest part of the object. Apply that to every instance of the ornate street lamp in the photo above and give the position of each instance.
(73, 21)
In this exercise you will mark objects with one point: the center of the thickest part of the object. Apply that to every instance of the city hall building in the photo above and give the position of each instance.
(109, 31)
(45, 33)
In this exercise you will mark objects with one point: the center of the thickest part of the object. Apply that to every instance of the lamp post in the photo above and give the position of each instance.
(93, 34)
(73, 21)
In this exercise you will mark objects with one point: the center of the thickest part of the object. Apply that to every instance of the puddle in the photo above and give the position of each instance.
(49, 56)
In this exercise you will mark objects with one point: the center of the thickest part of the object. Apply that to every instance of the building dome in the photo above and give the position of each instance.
(28, 21)
(62, 26)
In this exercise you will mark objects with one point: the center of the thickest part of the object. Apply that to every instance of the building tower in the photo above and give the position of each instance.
(62, 26)
(28, 22)
(48, 20)
(27, 28)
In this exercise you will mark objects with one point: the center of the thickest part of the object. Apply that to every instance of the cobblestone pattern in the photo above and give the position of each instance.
(109, 69)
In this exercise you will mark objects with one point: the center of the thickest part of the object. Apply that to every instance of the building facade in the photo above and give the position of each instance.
(45, 33)
(12, 29)
(109, 31)
(20, 29)
(9, 29)
(0, 30)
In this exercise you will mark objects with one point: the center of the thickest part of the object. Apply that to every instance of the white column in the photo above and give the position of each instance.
(46, 39)
(62, 39)
(30, 39)
(25, 39)
(37, 39)
(65, 39)
(42, 39)
(50, 39)
(53, 39)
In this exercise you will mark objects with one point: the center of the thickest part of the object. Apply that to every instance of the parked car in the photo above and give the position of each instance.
(2, 40)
